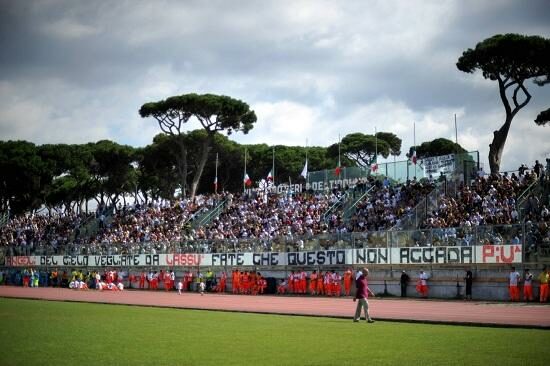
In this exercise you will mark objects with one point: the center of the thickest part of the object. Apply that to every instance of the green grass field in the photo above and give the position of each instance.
(61, 333)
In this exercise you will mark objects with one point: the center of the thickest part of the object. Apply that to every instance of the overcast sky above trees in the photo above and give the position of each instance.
(78, 71)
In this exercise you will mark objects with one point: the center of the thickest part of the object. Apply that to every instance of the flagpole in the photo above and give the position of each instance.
(307, 171)
(216, 179)
(375, 146)
(244, 183)
(414, 151)
(339, 142)
(273, 167)
(456, 135)
(289, 185)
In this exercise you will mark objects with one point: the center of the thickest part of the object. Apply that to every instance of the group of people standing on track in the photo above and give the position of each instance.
(516, 280)
(329, 283)
(246, 283)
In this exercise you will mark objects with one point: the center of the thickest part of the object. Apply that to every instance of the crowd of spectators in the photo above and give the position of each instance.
(385, 205)
(488, 200)
(31, 233)
(265, 218)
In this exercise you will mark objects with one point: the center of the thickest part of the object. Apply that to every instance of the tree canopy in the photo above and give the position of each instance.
(543, 118)
(511, 60)
(215, 113)
(363, 149)
(437, 147)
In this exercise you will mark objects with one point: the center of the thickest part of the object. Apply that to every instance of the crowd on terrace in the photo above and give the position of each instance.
(489, 200)
(377, 205)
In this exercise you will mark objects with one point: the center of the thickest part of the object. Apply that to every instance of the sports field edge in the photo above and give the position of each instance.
(384, 319)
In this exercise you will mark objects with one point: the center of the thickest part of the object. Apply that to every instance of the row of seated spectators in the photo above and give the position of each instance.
(30, 233)
(263, 218)
(489, 200)
(245, 216)
(385, 205)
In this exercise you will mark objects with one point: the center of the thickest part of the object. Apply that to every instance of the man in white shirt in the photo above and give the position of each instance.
(423, 284)
(513, 284)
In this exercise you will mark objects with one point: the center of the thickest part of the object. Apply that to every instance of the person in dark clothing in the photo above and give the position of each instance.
(469, 279)
(404, 281)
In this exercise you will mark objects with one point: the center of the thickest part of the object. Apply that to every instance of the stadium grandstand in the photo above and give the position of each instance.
(375, 211)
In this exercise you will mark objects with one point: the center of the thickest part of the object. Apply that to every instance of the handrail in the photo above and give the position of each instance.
(216, 211)
(4, 219)
(336, 204)
(194, 215)
(523, 197)
(348, 210)
(454, 236)
(526, 190)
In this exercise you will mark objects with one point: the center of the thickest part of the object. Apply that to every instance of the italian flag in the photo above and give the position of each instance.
(247, 181)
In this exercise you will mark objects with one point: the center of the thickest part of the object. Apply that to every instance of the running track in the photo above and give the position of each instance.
(412, 310)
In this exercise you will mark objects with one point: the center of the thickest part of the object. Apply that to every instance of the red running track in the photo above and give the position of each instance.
(415, 310)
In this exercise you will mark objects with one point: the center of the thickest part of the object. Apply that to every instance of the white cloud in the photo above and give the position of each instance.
(69, 29)
(285, 123)
(310, 70)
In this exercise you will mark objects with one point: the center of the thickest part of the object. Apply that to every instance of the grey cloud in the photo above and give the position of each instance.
(354, 54)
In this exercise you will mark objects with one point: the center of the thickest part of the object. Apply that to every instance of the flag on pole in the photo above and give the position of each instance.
(337, 171)
(413, 157)
(216, 178)
(246, 180)
(304, 171)
(374, 167)
(270, 176)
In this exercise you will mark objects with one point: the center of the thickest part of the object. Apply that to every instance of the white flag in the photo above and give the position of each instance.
(304, 171)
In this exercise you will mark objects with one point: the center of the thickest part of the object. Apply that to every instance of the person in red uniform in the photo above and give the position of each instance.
(320, 283)
(291, 282)
(223, 280)
(303, 281)
(167, 281)
(235, 282)
(348, 274)
(313, 283)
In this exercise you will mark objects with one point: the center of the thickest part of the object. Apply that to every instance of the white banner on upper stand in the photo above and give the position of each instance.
(486, 254)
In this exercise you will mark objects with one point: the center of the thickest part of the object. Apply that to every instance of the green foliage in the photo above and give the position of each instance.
(437, 147)
(158, 175)
(111, 167)
(543, 118)
(61, 335)
(509, 59)
(215, 113)
(362, 149)
(392, 140)
(23, 176)
(510, 56)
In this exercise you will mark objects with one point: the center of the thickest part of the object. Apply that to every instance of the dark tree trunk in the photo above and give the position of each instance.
(497, 146)
(204, 157)
(182, 165)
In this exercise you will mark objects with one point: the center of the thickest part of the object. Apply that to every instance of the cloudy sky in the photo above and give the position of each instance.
(78, 71)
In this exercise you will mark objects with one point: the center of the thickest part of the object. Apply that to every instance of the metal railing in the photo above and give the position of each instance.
(4, 218)
(417, 215)
(523, 199)
(351, 209)
(527, 235)
(340, 203)
(210, 215)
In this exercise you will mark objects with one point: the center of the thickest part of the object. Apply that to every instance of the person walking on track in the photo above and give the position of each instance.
(362, 295)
